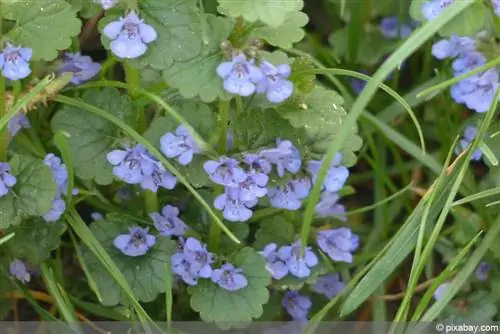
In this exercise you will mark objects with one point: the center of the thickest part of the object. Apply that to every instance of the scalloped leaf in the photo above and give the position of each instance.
(321, 115)
(286, 34)
(145, 274)
(271, 12)
(234, 309)
(35, 239)
(275, 229)
(197, 76)
(46, 26)
(91, 136)
(33, 193)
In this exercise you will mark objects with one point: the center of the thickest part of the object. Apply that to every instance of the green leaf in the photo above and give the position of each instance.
(275, 229)
(241, 232)
(467, 23)
(33, 193)
(322, 114)
(92, 137)
(372, 46)
(257, 128)
(197, 75)
(46, 26)
(286, 34)
(229, 309)
(35, 239)
(144, 274)
(271, 12)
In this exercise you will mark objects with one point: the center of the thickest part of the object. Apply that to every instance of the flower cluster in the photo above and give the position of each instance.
(135, 165)
(288, 259)
(129, 36)
(60, 175)
(245, 185)
(242, 77)
(476, 92)
(83, 68)
(14, 62)
(469, 135)
(7, 180)
(194, 261)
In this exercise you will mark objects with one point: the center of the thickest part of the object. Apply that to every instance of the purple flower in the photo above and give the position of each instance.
(496, 7)
(328, 207)
(285, 157)
(169, 223)
(230, 278)
(432, 9)
(131, 164)
(136, 243)
(274, 264)
(257, 163)
(357, 85)
(7, 180)
(19, 270)
(453, 47)
(181, 145)
(96, 216)
(335, 178)
(296, 305)
(482, 271)
(275, 83)
(15, 62)
(392, 29)
(182, 268)
(56, 211)
(18, 122)
(253, 187)
(338, 243)
(240, 75)
(129, 36)
(469, 135)
(441, 289)
(82, 67)
(226, 171)
(160, 177)
(289, 195)
(467, 62)
(199, 258)
(328, 285)
(233, 207)
(298, 265)
(107, 4)
(59, 172)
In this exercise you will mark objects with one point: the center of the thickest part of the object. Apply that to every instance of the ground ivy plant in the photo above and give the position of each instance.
(181, 160)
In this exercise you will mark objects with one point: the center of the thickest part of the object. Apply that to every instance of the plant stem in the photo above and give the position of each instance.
(4, 133)
(150, 201)
(133, 78)
(215, 231)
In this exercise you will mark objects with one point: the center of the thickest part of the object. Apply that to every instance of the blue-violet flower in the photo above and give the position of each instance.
(18, 269)
(328, 285)
(136, 243)
(14, 62)
(275, 83)
(338, 243)
(82, 67)
(298, 265)
(274, 264)
(168, 222)
(226, 171)
(296, 305)
(7, 180)
(240, 75)
(229, 278)
(180, 145)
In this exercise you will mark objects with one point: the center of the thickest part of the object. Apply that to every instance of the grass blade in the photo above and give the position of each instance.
(6, 238)
(479, 195)
(414, 41)
(62, 145)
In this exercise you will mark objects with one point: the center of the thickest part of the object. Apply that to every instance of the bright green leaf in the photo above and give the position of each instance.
(145, 274)
(46, 26)
(271, 12)
(286, 34)
(197, 75)
(35, 239)
(234, 308)
(321, 114)
(33, 193)
(91, 136)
